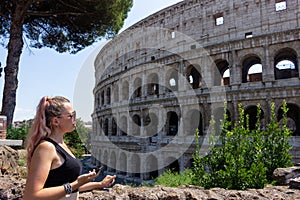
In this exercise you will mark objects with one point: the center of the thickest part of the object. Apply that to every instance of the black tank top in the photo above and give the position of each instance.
(67, 172)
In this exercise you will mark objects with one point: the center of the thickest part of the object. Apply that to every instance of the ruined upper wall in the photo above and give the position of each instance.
(196, 19)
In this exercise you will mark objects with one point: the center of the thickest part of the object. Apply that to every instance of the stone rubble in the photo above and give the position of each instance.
(8, 160)
(287, 176)
(12, 187)
(120, 192)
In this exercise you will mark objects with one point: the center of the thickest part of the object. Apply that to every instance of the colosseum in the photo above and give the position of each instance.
(167, 75)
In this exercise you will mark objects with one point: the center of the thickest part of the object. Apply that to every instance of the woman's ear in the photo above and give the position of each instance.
(55, 121)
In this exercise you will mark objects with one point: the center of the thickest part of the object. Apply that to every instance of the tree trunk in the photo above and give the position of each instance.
(15, 46)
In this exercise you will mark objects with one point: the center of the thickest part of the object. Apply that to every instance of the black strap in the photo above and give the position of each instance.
(58, 148)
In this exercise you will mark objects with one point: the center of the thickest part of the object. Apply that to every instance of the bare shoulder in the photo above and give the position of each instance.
(45, 147)
(44, 153)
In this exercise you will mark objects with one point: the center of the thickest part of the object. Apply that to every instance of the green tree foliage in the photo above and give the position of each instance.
(18, 133)
(241, 158)
(78, 139)
(66, 26)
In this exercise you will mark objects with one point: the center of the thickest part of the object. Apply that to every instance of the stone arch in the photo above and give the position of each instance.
(151, 165)
(286, 64)
(105, 159)
(194, 76)
(251, 72)
(100, 122)
(114, 127)
(113, 161)
(172, 123)
(172, 80)
(102, 98)
(98, 99)
(189, 163)
(293, 116)
(152, 84)
(193, 121)
(123, 163)
(151, 124)
(97, 156)
(137, 88)
(136, 165)
(108, 97)
(116, 92)
(136, 125)
(125, 90)
(220, 77)
(106, 126)
(251, 111)
(123, 126)
(218, 114)
(172, 164)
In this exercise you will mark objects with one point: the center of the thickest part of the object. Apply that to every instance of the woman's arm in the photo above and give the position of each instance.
(40, 166)
(106, 182)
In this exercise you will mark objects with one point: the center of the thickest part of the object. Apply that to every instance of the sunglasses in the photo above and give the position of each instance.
(72, 115)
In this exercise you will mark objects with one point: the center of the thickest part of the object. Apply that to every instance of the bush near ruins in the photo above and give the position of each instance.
(239, 158)
(18, 133)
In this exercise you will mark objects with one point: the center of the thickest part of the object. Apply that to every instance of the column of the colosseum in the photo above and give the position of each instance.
(144, 84)
(235, 71)
(207, 112)
(298, 61)
(97, 156)
(182, 79)
(112, 96)
(131, 88)
(164, 118)
(268, 67)
(181, 75)
(104, 96)
(119, 92)
(122, 91)
(161, 81)
(235, 110)
(144, 165)
(118, 118)
(208, 72)
(131, 165)
(181, 162)
(180, 131)
(129, 122)
(109, 125)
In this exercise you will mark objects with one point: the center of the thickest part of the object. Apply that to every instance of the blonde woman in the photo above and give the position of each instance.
(53, 171)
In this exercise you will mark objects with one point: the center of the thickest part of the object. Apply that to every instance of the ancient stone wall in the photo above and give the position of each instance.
(168, 74)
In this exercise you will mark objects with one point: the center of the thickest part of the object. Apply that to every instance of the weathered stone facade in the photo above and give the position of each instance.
(168, 74)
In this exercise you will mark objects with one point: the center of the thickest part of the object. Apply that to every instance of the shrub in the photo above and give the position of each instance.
(239, 158)
(17, 133)
(174, 179)
(245, 158)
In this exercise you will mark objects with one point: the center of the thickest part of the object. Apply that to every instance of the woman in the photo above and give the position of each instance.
(53, 171)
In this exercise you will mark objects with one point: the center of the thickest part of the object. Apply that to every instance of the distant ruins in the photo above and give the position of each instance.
(3, 120)
(164, 77)
(3, 133)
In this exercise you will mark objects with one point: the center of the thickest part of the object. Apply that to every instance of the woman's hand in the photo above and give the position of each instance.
(84, 184)
(85, 178)
(108, 181)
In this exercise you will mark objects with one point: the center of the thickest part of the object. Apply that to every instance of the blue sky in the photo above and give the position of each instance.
(46, 72)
